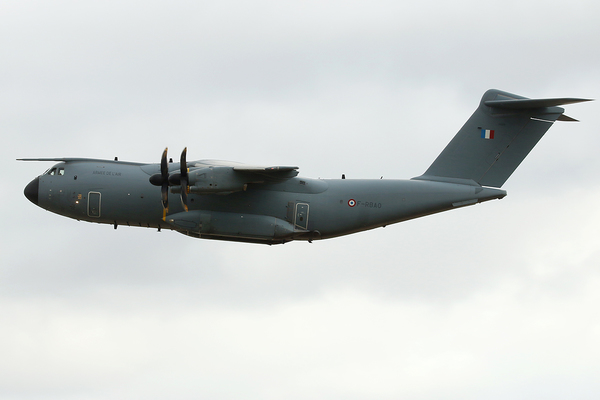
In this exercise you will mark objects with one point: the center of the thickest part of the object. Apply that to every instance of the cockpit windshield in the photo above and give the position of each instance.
(55, 171)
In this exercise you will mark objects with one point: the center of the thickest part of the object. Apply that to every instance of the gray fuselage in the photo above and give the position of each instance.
(119, 193)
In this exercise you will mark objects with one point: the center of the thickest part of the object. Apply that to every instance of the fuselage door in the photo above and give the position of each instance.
(301, 216)
(94, 204)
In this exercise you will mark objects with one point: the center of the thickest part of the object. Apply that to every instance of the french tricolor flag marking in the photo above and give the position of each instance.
(487, 134)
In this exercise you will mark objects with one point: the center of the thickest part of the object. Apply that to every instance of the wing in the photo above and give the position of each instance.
(260, 172)
(213, 176)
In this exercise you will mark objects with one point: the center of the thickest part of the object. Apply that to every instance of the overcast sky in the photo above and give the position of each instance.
(495, 301)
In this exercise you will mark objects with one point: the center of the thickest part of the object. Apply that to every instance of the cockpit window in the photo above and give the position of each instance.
(55, 171)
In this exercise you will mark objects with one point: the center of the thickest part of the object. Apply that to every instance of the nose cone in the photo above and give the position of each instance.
(31, 190)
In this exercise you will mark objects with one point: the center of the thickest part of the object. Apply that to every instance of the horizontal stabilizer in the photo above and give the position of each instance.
(566, 118)
(521, 104)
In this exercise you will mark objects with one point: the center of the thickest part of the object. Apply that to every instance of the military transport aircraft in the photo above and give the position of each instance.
(232, 201)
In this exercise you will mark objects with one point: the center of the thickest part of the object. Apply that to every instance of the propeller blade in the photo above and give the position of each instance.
(184, 193)
(183, 163)
(164, 190)
(183, 179)
(164, 166)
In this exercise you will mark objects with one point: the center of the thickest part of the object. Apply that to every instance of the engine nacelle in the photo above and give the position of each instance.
(216, 180)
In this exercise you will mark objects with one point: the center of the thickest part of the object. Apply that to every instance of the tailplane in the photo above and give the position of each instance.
(496, 139)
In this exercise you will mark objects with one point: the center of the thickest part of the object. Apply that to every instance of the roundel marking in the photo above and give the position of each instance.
(351, 202)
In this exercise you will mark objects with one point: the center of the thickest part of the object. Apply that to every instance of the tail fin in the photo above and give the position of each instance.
(497, 137)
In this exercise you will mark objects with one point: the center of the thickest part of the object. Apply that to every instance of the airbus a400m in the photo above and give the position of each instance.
(271, 204)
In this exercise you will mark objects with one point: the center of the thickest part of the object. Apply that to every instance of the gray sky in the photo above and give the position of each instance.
(494, 301)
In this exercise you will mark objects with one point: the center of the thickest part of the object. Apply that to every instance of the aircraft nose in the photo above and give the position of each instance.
(31, 190)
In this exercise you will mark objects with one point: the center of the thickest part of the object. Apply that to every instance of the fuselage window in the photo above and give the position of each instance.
(61, 171)
(52, 171)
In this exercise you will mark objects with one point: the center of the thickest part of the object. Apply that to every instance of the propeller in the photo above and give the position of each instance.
(163, 180)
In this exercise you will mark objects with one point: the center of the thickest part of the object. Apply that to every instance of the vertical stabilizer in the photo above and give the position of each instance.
(496, 139)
